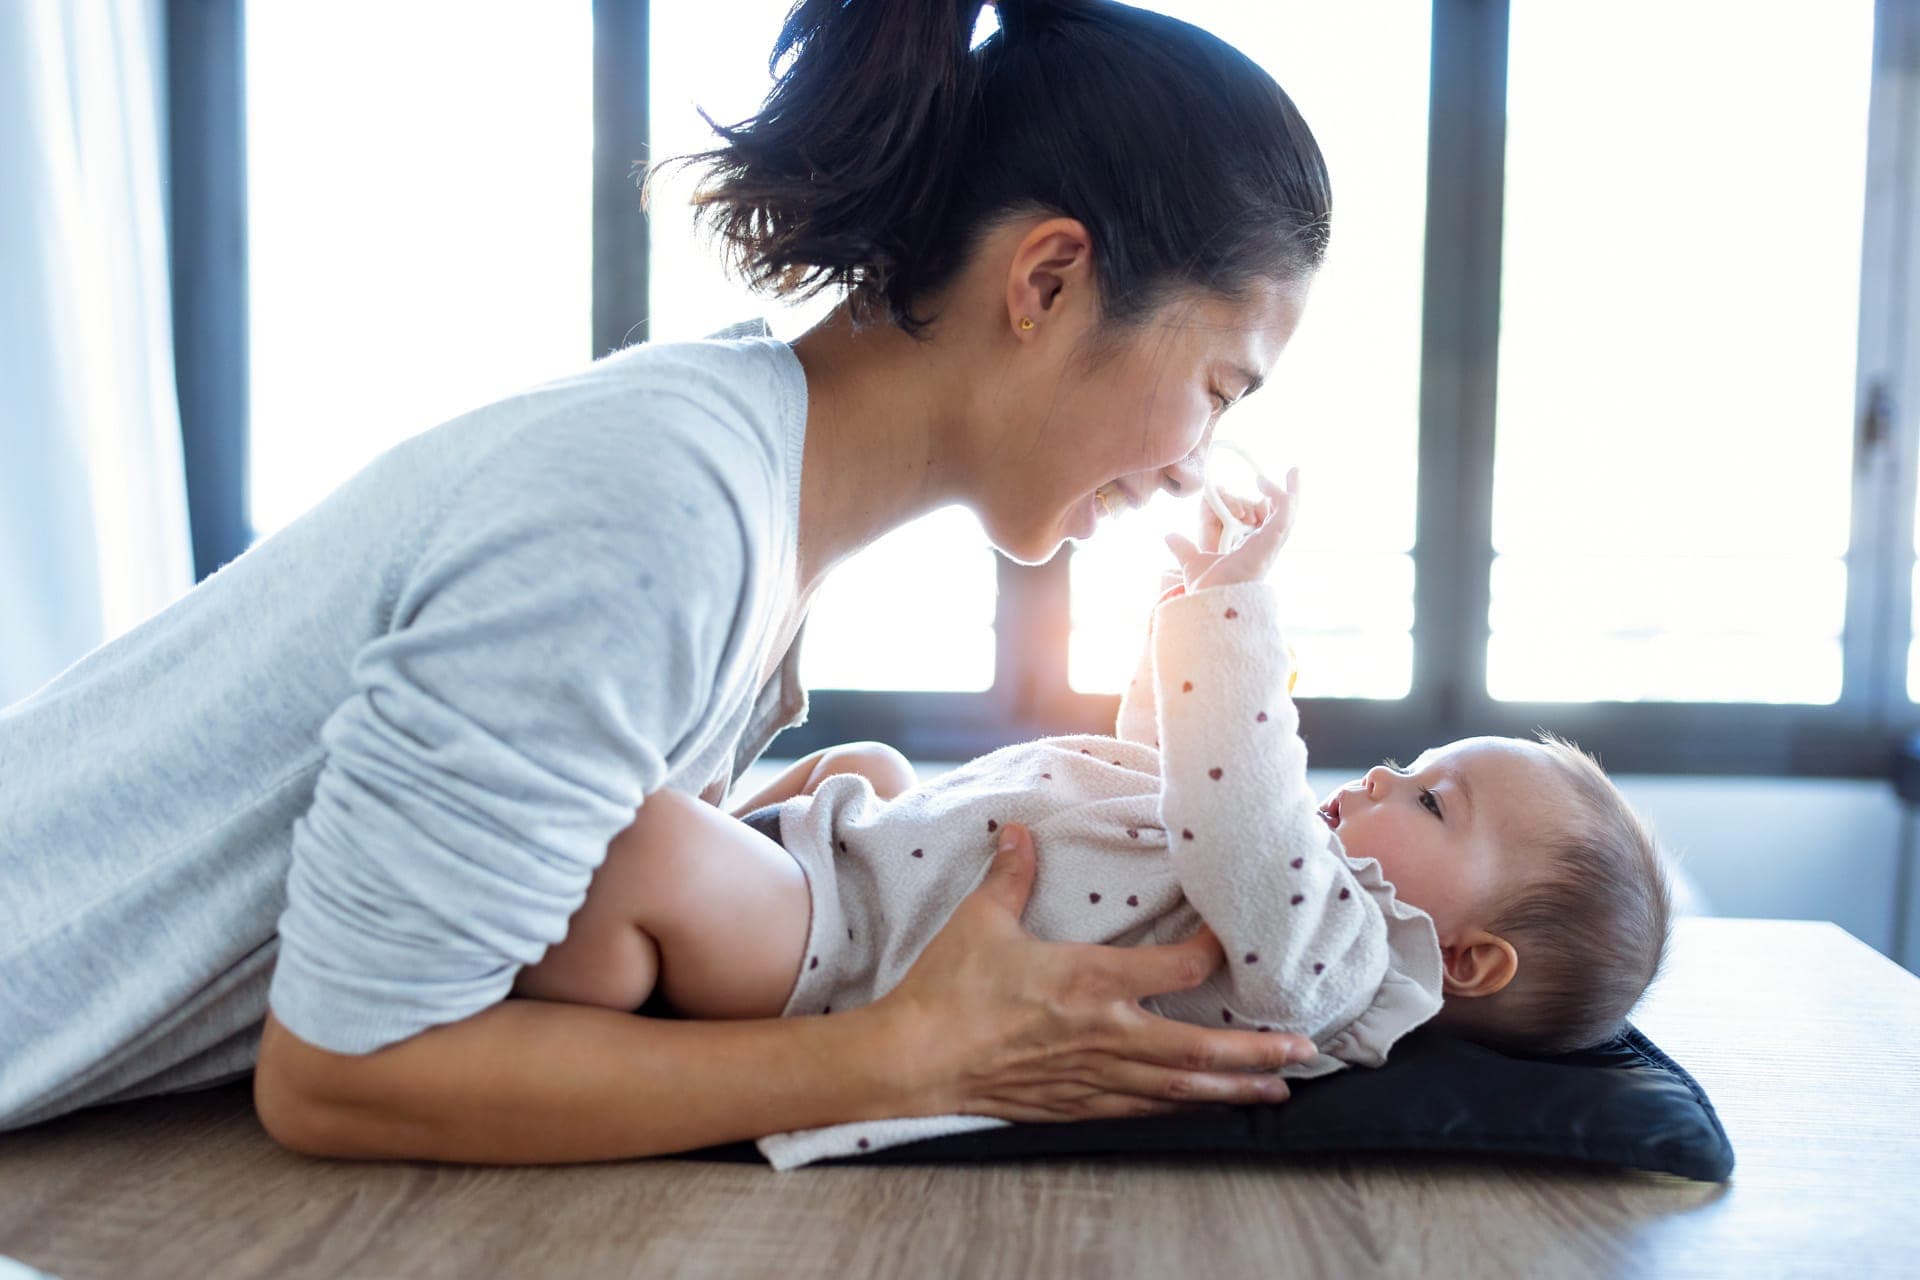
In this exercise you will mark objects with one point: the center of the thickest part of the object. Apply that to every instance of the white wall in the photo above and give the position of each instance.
(1792, 848)
(1787, 848)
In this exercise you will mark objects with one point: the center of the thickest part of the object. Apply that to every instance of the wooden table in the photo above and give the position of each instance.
(1804, 1037)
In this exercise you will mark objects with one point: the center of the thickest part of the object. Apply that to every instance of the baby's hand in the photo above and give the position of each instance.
(1246, 511)
(1253, 558)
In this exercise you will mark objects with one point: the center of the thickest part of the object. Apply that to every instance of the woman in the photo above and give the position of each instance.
(317, 815)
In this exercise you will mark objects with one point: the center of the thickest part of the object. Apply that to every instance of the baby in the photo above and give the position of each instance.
(1499, 888)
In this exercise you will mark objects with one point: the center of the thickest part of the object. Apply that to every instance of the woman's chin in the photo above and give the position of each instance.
(1031, 546)
(1037, 550)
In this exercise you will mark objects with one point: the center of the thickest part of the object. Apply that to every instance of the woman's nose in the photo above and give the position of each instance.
(1184, 477)
(1376, 780)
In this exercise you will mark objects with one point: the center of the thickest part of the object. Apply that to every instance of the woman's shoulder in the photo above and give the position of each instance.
(742, 381)
(588, 488)
(709, 432)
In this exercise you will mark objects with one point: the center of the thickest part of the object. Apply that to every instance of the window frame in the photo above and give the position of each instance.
(1459, 352)
(205, 145)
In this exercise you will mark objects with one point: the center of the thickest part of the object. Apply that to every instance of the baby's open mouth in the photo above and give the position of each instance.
(1330, 811)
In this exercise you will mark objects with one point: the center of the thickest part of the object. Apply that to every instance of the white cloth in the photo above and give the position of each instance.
(93, 495)
(1199, 809)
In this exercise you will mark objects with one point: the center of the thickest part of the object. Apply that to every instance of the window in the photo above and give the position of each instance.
(1679, 334)
(419, 223)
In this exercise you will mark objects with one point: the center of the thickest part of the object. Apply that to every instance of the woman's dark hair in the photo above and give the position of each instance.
(887, 148)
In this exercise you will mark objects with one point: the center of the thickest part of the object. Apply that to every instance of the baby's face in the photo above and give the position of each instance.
(1442, 829)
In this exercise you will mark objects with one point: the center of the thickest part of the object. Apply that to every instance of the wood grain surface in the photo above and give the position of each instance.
(1807, 1041)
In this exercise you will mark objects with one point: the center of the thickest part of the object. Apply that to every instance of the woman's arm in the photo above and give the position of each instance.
(535, 1082)
(988, 1021)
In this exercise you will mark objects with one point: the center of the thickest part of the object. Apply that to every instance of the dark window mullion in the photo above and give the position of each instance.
(621, 139)
(1460, 334)
(1880, 556)
(207, 230)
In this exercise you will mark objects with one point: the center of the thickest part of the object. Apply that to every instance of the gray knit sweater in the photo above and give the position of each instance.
(375, 761)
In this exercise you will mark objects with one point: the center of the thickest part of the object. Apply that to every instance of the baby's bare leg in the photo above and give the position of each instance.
(689, 899)
(888, 770)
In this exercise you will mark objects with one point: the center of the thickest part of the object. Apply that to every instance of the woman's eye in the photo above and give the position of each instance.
(1221, 404)
(1431, 801)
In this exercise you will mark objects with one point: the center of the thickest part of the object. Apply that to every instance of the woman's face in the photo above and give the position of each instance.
(1134, 422)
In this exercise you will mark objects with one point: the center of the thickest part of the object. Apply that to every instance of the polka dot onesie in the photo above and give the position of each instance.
(1198, 809)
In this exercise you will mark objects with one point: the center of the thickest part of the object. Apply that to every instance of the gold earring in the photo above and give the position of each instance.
(1026, 322)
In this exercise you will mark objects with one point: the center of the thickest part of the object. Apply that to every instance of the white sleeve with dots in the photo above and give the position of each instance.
(1137, 719)
(1307, 947)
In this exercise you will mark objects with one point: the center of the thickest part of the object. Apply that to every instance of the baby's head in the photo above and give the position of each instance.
(1547, 891)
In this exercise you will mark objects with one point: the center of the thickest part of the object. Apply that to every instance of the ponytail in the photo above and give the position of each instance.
(888, 145)
(840, 177)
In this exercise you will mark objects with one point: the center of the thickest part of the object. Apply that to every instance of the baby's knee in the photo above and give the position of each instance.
(881, 765)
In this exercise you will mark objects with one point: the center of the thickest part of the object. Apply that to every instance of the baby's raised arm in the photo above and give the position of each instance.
(1138, 720)
(1306, 948)
(1138, 717)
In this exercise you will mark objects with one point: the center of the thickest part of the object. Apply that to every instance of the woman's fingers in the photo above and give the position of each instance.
(1169, 1048)
(1176, 1087)
(1124, 1089)
(1009, 880)
(1140, 972)
(1003, 1024)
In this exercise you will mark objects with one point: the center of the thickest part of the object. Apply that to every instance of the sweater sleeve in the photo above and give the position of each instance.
(1136, 721)
(1306, 948)
(553, 648)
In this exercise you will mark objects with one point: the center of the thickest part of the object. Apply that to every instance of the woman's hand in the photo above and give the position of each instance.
(993, 1022)
(1251, 560)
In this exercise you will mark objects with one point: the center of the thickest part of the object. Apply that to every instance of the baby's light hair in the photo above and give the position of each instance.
(1591, 930)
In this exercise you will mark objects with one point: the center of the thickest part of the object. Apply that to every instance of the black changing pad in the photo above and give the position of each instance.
(1624, 1103)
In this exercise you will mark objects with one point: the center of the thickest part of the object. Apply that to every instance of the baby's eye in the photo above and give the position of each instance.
(1431, 801)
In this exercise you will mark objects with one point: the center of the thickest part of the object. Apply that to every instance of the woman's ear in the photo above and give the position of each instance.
(1050, 276)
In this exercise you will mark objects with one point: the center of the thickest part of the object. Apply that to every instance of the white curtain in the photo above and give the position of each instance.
(93, 513)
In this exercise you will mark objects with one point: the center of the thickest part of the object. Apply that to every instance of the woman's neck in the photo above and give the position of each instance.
(882, 415)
